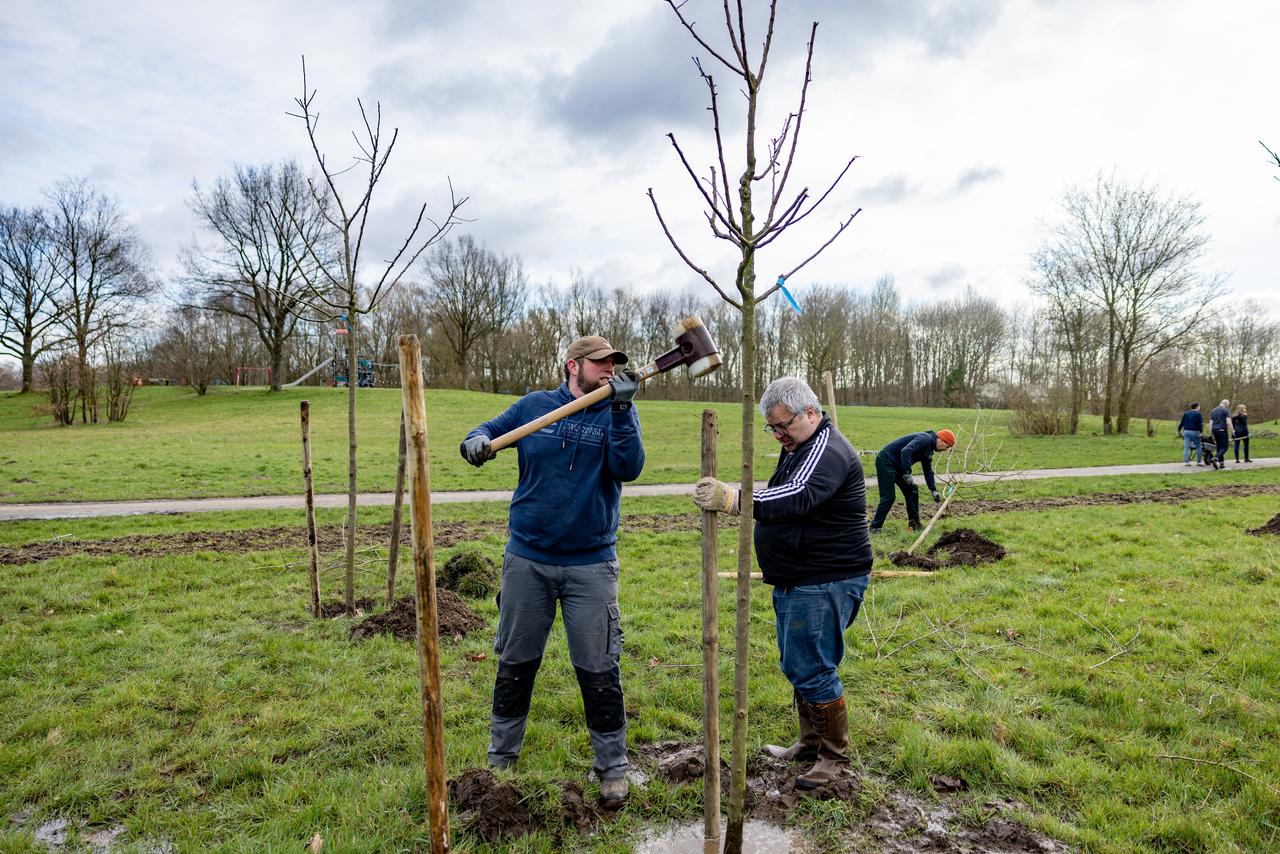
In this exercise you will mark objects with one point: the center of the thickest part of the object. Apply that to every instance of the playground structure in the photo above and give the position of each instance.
(367, 370)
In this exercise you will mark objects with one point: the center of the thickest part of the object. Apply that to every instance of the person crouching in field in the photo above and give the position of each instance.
(893, 469)
(812, 545)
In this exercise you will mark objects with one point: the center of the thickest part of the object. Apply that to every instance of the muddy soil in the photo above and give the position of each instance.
(1272, 527)
(449, 534)
(469, 573)
(495, 811)
(961, 547)
(453, 619)
(336, 608)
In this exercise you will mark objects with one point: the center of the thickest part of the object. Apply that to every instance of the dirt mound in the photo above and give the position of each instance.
(489, 809)
(363, 605)
(453, 619)
(469, 574)
(1272, 527)
(961, 547)
(905, 822)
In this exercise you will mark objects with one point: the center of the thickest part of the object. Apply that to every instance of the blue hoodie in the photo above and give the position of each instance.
(565, 508)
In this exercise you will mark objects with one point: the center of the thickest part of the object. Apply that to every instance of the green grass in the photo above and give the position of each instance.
(191, 699)
(245, 442)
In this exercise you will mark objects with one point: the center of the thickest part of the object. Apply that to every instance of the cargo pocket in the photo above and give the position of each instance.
(614, 647)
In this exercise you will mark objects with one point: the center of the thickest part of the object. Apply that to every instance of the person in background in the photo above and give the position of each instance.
(1220, 420)
(1190, 428)
(893, 469)
(1240, 423)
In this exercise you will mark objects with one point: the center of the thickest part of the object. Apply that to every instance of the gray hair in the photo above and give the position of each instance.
(1225, 402)
(791, 392)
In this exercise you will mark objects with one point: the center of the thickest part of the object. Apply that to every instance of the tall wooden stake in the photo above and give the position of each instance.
(394, 550)
(312, 545)
(710, 652)
(831, 399)
(424, 577)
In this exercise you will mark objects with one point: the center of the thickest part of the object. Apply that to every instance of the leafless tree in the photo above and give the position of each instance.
(1077, 323)
(1133, 253)
(262, 218)
(190, 348)
(1275, 158)
(475, 293)
(732, 215)
(100, 274)
(28, 278)
(334, 281)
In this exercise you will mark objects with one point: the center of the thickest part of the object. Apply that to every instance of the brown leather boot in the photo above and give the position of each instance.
(806, 749)
(832, 722)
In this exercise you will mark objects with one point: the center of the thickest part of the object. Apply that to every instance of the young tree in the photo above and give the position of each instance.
(28, 316)
(736, 216)
(333, 280)
(262, 218)
(1134, 253)
(190, 348)
(100, 275)
(475, 293)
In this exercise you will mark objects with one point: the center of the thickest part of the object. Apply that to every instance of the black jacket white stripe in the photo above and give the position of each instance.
(811, 520)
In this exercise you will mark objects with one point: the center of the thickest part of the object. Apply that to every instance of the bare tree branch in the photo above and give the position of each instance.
(692, 266)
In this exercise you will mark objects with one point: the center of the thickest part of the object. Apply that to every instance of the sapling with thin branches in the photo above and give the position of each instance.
(333, 281)
(749, 223)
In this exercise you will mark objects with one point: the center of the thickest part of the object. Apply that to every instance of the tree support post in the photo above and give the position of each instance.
(393, 556)
(710, 651)
(313, 547)
(424, 576)
(831, 399)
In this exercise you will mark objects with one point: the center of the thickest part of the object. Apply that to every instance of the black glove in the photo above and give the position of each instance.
(937, 496)
(624, 387)
(476, 450)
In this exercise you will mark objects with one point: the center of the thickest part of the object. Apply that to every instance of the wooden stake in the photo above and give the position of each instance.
(312, 545)
(710, 651)
(831, 399)
(424, 577)
(936, 516)
(394, 551)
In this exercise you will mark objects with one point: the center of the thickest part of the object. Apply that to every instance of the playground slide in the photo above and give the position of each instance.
(300, 380)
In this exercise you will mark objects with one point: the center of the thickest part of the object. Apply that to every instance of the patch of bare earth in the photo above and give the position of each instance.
(1272, 527)
(902, 822)
(497, 811)
(454, 618)
(961, 547)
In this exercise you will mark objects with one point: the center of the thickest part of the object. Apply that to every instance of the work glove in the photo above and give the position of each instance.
(937, 496)
(624, 387)
(716, 496)
(908, 479)
(476, 450)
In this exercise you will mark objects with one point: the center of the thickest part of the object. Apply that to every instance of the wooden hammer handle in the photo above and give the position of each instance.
(511, 437)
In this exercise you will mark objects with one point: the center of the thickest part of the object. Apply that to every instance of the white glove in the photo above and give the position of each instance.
(716, 496)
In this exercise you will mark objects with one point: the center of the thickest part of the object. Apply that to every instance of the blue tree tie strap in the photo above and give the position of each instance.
(786, 293)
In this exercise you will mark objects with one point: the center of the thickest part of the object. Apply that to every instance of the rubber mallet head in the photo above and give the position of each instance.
(693, 348)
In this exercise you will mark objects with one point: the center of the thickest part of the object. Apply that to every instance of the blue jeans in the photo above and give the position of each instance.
(1190, 439)
(811, 619)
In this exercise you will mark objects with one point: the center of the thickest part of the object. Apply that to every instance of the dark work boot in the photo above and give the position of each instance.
(806, 749)
(832, 722)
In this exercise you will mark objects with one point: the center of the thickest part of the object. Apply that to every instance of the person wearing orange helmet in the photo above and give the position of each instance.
(893, 470)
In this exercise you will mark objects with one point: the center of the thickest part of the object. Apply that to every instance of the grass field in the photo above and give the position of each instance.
(245, 442)
(190, 699)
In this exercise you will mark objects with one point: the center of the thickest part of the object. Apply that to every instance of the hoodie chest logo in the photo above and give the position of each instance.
(574, 431)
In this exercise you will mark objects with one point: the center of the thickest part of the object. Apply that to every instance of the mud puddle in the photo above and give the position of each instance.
(758, 837)
(961, 547)
(454, 618)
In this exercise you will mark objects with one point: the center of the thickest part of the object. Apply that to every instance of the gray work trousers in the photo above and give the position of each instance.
(588, 597)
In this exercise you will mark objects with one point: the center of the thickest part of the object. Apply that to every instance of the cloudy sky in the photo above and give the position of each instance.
(969, 119)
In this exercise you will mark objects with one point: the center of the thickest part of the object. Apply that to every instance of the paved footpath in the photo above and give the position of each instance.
(85, 509)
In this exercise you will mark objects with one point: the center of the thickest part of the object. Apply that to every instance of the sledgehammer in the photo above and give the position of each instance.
(693, 348)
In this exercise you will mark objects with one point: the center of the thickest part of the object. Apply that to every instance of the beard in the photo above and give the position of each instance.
(586, 386)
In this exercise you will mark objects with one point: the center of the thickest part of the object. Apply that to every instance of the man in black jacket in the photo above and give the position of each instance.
(812, 545)
(893, 469)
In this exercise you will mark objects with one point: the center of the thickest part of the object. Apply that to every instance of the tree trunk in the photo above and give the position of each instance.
(353, 372)
(394, 551)
(28, 372)
(710, 648)
(276, 352)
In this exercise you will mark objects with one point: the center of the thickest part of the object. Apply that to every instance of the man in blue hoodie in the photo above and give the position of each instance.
(562, 548)
(893, 469)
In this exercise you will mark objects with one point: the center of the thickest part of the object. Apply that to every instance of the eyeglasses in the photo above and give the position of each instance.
(781, 429)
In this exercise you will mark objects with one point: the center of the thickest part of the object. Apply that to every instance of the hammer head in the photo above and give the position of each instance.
(693, 349)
